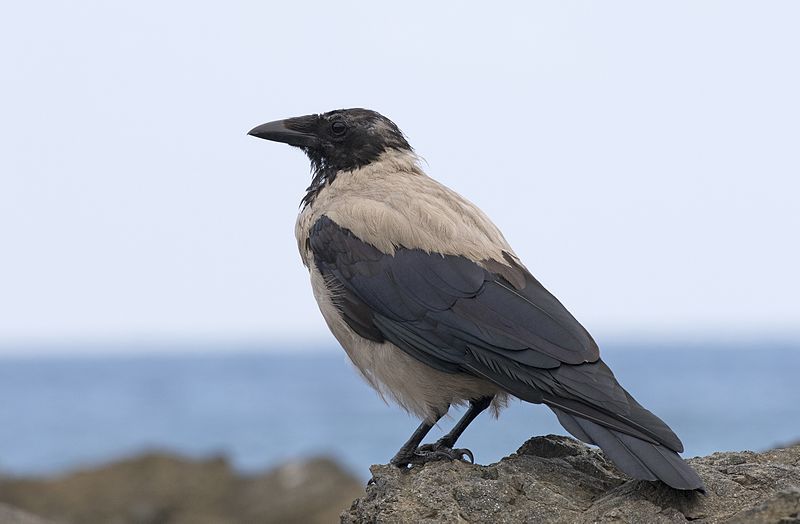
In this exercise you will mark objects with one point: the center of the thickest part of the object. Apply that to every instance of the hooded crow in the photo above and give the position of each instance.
(435, 309)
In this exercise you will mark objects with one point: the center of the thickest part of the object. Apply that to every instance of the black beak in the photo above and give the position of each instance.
(278, 131)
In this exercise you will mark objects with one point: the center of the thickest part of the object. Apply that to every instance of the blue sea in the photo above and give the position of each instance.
(260, 408)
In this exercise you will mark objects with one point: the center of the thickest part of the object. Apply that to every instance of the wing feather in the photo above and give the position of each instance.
(457, 316)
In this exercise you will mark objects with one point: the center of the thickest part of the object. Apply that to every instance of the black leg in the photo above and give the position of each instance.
(476, 407)
(406, 453)
(413, 453)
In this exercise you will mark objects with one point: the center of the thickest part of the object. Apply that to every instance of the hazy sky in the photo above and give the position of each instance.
(642, 158)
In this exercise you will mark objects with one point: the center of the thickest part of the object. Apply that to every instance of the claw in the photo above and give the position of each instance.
(441, 454)
(434, 453)
(464, 451)
(426, 448)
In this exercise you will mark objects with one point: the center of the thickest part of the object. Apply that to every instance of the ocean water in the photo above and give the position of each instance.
(260, 408)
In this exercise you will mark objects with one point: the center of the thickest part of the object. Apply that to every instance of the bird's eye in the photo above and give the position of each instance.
(338, 128)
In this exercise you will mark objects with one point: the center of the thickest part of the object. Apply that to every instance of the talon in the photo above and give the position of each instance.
(434, 453)
(423, 457)
(464, 451)
(441, 454)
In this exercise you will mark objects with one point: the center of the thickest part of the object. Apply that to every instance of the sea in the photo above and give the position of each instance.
(260, 406)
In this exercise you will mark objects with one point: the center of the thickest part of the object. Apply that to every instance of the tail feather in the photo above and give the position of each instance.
(637, 458)
(591, 391)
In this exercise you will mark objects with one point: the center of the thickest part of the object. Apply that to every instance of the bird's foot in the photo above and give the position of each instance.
(443, 452)
(432, 453)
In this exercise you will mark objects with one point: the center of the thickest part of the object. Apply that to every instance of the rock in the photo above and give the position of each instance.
(9, 515)
(558, 479)
(165, 489)
(307, 491)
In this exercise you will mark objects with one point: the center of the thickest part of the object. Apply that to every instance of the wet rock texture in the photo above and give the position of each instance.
(557, 479)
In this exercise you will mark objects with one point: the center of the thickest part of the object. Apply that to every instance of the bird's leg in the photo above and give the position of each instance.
(407, 452)
(476, 407)
(442, 449)
(446, 443)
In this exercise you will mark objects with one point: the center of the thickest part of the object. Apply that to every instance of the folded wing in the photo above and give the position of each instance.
(492, 319)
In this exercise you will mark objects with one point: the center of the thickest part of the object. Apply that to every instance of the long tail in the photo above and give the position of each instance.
(592, 405)
(595, 408)
(634, 456)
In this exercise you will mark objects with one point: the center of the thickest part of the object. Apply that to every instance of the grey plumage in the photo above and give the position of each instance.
(435, 308)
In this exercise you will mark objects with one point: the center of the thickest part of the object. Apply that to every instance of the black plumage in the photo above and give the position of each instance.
(459, 317)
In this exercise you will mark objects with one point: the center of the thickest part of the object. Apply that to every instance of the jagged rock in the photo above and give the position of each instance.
(9, 515)
(557, 479)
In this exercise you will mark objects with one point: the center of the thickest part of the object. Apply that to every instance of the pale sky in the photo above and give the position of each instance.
(642, 158)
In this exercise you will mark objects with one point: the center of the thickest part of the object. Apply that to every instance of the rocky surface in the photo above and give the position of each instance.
(557, 479)
(164, 489)
(549, 479)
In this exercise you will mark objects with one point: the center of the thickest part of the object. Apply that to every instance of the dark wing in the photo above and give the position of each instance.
(456, 316)
(497, 322)
(452, 296)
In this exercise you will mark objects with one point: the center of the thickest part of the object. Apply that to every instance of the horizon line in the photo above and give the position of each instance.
(154, 346)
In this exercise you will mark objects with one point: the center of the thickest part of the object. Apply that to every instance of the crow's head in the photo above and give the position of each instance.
(339, 140)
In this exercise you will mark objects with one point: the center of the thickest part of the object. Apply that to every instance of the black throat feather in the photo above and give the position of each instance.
(321, 178)
(324, 174)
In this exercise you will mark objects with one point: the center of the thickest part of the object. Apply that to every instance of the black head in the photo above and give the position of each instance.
(340, 140)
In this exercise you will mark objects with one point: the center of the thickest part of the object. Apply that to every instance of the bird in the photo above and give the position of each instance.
(435, 309)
